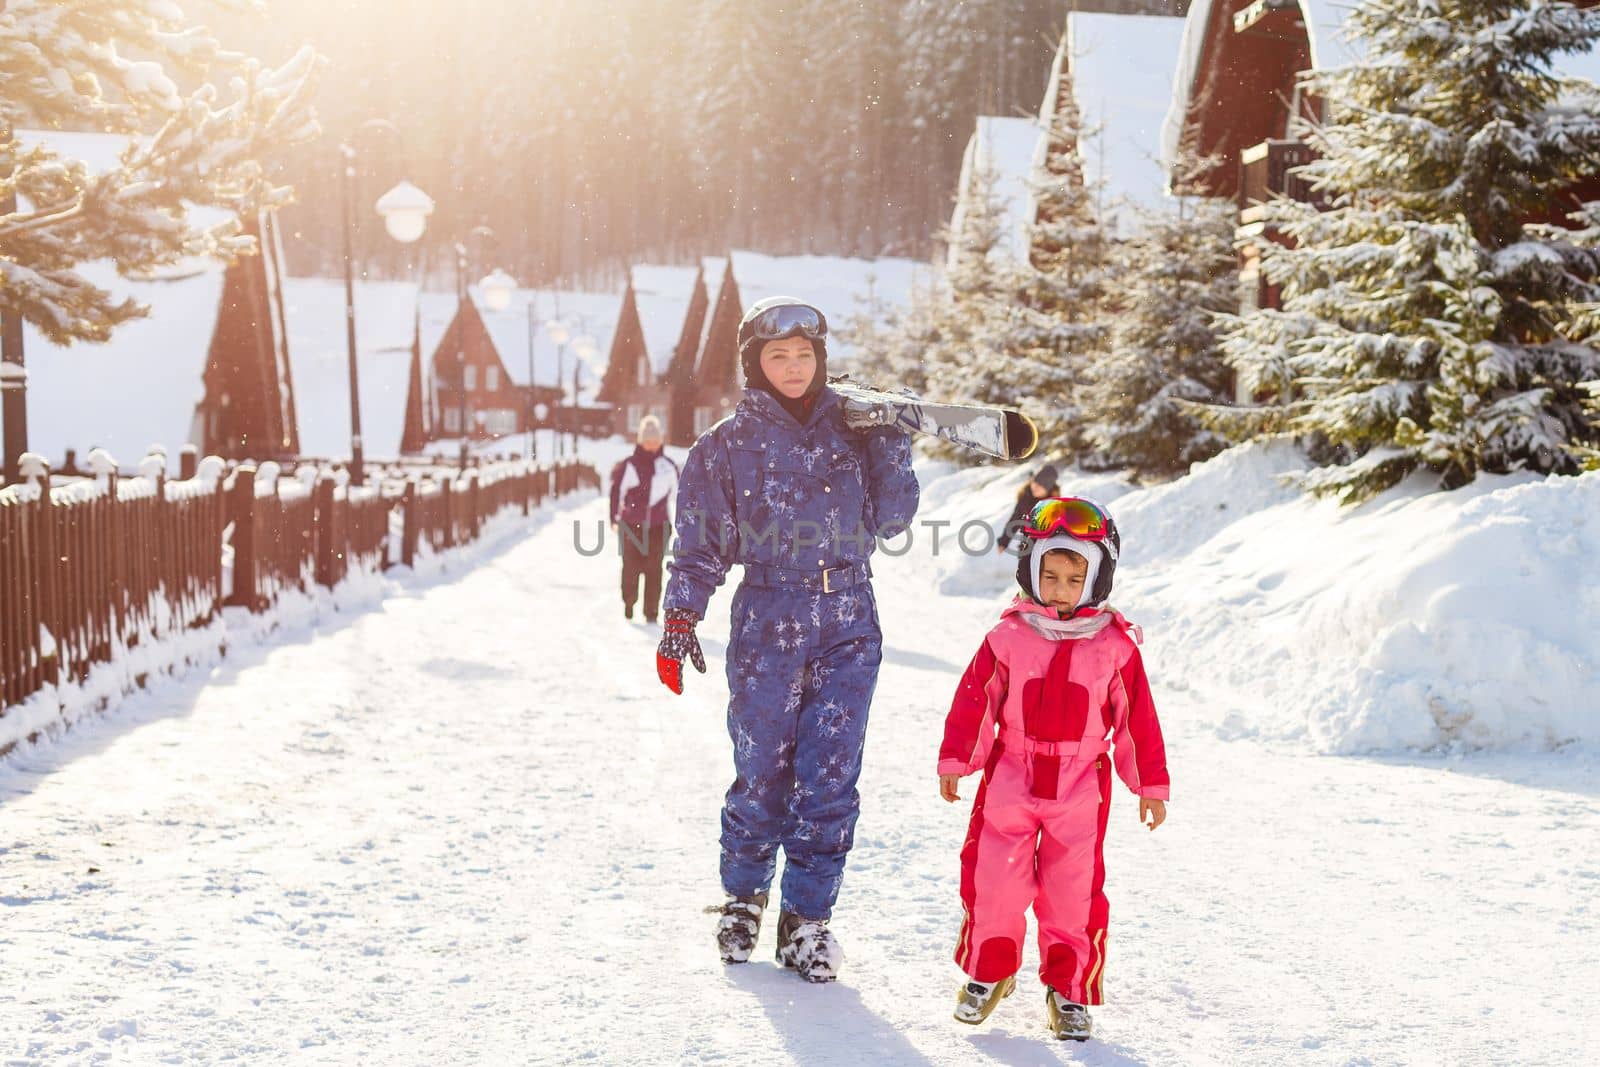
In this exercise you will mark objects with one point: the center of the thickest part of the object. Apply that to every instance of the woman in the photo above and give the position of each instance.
(784, 488)
(641, 485)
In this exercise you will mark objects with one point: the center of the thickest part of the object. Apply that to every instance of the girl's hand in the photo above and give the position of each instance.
(1156, 809)
(947, 787)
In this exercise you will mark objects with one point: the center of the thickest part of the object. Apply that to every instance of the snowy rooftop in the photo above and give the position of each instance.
(586, 314)
(138, 389)
(1009, 148)
(318, 355)
(841, 287)
(662, 295)
(1122, 69)
(141, 387)
(1330, 47)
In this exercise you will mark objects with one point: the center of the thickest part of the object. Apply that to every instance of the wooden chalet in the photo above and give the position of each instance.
(208, 366)
(470, 376)
(1238, 94)
(717, 382)
(658, 328)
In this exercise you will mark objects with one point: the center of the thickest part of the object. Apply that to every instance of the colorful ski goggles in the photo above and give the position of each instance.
(1070, 515)
(789, 320)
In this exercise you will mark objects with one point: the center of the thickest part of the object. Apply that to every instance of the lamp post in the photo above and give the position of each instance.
(584, 348)
(559, 332)
(501, 293)
(405, 210)
(534, 418)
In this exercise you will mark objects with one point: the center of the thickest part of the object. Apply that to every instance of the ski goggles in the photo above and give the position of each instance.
(1070, 515)
(789, 320)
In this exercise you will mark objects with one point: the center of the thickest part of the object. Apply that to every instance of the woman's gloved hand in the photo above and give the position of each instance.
(677, 641)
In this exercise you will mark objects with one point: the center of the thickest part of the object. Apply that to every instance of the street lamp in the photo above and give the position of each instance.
(559, 332)
(585, 348)
(461, 327)
(498, 288)
(405, 210)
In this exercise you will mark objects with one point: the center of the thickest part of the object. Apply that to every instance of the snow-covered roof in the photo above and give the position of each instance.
(591, 314)
(841, 287)
(1330, 47)
(1122, 69)
(662, 295)
(1010, 148)
(142, 386)
(138, 389)
(319, 358)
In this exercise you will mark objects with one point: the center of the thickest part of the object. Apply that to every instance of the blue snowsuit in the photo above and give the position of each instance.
(800, 507)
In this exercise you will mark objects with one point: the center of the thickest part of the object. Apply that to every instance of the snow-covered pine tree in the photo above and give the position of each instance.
(1426, 323)
(969, 330)
(1066, 289)
(71, 66)
(1178, 271)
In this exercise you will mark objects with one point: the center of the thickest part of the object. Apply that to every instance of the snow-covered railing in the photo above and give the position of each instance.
(95, 566)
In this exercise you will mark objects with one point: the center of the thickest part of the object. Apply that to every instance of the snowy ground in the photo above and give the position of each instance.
(468, 826)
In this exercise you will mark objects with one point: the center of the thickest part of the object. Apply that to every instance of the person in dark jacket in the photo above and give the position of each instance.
(785, 488)
(1043, 484)
(641, 486)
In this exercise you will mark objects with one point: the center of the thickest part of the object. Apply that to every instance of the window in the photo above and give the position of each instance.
(452, 420)
(491, 379)
(635, 413)
(502, 421)
(702, 420)
(644, 370)
(471, 377)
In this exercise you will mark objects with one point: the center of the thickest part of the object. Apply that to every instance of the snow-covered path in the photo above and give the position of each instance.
(468, 826)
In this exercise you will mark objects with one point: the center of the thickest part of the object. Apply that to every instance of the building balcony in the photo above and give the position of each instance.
(1266, 172)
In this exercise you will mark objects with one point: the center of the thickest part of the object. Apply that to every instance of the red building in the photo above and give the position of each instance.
(248, 408)
(1239, 91)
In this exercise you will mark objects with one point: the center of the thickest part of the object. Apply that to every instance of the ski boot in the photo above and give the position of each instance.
(739, 926)
(977, 999)
(1068, 1021)
(809, 947)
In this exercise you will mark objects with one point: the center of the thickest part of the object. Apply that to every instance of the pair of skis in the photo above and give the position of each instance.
(1004, 433)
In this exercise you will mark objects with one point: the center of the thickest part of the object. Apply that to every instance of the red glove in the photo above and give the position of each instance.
(677, 641)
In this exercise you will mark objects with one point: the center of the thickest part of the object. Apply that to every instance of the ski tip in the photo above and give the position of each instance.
(1022, 436)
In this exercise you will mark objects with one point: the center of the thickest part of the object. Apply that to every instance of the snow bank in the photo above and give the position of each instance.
(1460, 620)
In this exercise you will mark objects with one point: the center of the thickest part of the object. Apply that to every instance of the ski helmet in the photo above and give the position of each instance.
(777, 318)
(1101, 554)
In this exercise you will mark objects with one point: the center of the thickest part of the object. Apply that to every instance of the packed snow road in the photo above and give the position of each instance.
(468, 826)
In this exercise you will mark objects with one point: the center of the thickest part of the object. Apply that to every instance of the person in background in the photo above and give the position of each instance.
(1042, 485)
(641, 485)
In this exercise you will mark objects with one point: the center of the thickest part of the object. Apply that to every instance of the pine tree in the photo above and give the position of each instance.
(972, 321)
(66, 67)
(1066, 288)
(1178, 272)
(1426, 324)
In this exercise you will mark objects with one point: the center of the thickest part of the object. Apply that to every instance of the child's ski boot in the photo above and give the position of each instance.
(809, 947)
(977, 999)
(1068, 1021)
(739, 926)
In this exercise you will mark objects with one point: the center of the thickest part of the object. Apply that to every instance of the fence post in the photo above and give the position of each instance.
(242, 513)
(33, 467)
(475, 502)
(525, 480)
(408, 524)
(448, 499)
(188, 462)
(322, 521)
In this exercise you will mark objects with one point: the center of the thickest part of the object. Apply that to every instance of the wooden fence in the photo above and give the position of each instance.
(93, 568)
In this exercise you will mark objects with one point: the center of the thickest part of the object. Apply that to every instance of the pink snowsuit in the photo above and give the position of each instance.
(1039, 819)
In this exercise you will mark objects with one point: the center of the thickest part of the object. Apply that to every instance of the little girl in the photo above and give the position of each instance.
(1057, 675)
